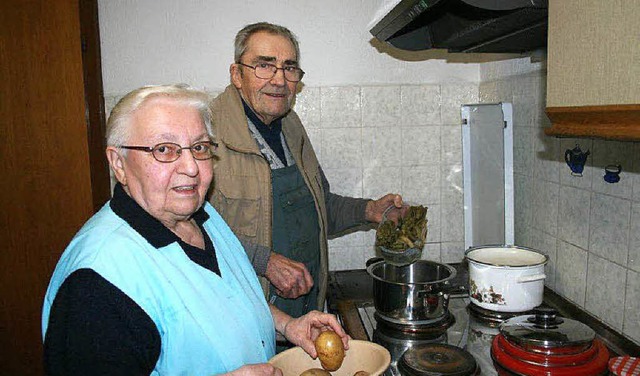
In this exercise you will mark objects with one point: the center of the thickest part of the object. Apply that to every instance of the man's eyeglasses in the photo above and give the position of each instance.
(266, 71)
(168, 152)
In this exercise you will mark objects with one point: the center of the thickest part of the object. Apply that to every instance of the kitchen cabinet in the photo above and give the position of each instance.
(593, 69)
(54, 173)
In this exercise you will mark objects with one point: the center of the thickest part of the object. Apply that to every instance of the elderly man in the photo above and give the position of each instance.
(269, 185)
(156, 282)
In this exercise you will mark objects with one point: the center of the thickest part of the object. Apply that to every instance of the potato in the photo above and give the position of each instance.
(361, 373)
(315, 372)
(330, 350)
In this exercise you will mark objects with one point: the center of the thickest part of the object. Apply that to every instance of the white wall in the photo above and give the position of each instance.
(191, 41)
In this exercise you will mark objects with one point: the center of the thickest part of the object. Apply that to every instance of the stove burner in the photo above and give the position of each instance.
(417, 329)
(492, 318)
(437, 360)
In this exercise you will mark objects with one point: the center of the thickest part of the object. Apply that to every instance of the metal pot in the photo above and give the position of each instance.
(411, 294)
(506, 278)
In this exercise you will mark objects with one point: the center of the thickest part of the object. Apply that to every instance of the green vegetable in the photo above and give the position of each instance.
(410, 232)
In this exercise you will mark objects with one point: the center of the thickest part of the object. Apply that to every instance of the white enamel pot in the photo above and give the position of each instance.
(506, 278)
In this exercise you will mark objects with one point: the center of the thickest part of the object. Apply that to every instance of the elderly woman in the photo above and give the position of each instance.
(156, 282)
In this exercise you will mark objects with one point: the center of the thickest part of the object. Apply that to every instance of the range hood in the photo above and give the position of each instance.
(497, 26)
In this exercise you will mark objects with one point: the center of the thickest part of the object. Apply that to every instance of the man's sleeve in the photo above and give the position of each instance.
(343, 212)
(258, 255)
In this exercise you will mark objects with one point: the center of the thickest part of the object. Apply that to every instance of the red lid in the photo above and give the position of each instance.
(513, 358)
(625, 366)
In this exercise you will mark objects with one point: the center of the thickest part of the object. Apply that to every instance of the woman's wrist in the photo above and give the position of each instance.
(284, 328)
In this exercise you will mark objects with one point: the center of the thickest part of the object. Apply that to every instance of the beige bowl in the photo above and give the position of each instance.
(361, 356)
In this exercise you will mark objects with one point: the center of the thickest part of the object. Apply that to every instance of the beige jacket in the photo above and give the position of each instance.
(241, 189)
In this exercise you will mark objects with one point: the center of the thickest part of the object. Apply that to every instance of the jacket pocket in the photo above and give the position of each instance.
(241, 214)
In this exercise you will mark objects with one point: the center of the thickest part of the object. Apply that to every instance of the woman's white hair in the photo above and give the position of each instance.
(119, 123)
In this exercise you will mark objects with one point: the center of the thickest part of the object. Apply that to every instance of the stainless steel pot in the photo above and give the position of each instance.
(411, 294)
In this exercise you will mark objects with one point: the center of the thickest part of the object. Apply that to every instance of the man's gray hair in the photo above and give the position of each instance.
(243, 37)
(119, 124)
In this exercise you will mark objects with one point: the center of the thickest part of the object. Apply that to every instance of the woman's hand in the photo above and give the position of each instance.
(303, 331)
(264, 369)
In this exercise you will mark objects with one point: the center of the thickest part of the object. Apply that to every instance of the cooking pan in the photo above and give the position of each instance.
(411, 294)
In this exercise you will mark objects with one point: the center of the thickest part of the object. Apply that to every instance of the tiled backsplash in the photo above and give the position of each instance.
(588, 227)
(407, 139)
(372, 140)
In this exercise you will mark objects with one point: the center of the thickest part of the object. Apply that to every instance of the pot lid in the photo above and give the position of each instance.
(544, 330)
(590, 362)
(437, 359)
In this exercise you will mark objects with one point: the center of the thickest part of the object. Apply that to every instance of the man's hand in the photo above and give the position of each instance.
(290, 278)
(375, 209)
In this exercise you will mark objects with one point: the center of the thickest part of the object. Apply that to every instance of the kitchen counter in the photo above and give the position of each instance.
(349, 289)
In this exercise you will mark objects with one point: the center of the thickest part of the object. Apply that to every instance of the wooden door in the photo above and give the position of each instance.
(46, 146)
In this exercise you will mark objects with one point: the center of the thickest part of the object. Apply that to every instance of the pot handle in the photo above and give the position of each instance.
(372, 260)
(531, 278)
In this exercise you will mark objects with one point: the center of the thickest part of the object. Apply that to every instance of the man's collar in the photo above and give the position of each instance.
(144, 223)
(276, 124)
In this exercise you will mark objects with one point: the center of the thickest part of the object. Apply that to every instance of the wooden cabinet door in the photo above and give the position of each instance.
(46, 190)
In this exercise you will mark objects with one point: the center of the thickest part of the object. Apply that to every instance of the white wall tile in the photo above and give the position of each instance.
(488, 92)
(381, 106)
(420, 146)
(378, 181)
(454, 95)
(452, 229)
(345, 181)
(434, 224)
(421, 184)
(573, 216)
(571, 272)
(546, 164)
(522, 150)
(340, 107)
(633, 260)
(635, 175)
(546, 244)
(545, 206)
(609, 227)
(451, 144)
(307, 106)
(431, 252)
(604, 277)
(420, 105)
(382, 146)
(523, 202)
(524, 115)
(346, 258)
(452, 252)
(354, 239)
(369, 238)
(452, 185)
(632, 306)
(342, 147)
